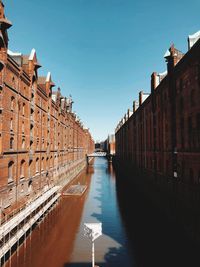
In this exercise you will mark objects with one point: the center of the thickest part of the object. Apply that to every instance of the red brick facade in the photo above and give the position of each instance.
(162, 134)
(40, 137)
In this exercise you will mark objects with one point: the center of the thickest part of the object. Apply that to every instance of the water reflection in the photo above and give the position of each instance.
(155, 240)
(51, 243)
(101, 206)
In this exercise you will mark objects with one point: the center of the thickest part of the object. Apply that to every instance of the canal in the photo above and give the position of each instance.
(59, 241)
(135, 234)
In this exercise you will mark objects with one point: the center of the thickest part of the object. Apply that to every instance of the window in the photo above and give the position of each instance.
(37, 165)
(51, 162)
(10, 196)
(23, 143)
(23, 109)
(30, 169)
(23, 127)
(11, 143)
(22, 188)
(22, 164)
(47, 162)
(12, 103)
(10, 171)
(37, 145)
(11, 124)
(29, 186)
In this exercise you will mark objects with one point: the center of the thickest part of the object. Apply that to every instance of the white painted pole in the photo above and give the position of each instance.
(93, 264)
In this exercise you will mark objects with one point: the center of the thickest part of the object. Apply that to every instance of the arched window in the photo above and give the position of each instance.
(10, 195)
(37, 145)
(11, 143)
(30, 169)
(10, 171)
(22, 164)
(29, 186)
(23, 143)
(12, 103)
(37, 165)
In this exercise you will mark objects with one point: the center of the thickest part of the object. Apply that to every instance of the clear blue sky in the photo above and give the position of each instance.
(102, 52)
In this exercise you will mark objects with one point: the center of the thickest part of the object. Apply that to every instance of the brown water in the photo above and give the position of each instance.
(58, 241)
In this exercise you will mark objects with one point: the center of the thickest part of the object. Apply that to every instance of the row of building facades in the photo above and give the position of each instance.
(161, 134)
(40, 137)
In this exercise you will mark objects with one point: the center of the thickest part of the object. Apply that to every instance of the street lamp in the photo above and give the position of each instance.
(93, 231)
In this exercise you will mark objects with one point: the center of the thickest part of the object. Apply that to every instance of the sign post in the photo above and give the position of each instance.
(93, 231)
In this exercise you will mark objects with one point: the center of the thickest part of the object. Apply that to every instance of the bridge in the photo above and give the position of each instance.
(97, 154)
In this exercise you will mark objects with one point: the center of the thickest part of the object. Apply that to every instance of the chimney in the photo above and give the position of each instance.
(135, 105)
(140, 97)
(172, 56)
(153, 81)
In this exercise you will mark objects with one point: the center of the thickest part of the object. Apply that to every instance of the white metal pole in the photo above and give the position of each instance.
(93, 253)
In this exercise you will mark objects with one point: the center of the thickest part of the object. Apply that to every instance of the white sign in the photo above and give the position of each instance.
(93, 230)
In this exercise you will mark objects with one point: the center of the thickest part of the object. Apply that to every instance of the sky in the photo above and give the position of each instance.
(102, 52)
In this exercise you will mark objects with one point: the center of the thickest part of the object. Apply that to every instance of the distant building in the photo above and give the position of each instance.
(111, 144)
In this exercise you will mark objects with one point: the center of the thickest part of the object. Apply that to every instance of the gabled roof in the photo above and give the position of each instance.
(33, 57)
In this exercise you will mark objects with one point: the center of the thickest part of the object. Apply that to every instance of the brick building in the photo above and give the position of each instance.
(161, 135)
(41, 139)
(110, 144)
